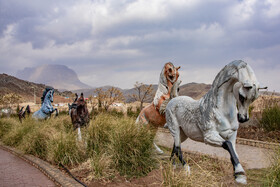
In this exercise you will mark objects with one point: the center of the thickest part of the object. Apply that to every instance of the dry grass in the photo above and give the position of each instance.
(51, 140)
(205, 171)
(273, 174)
(113, 145)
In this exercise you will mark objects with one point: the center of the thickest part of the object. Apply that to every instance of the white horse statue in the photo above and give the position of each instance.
(215, 118)
(47, 109)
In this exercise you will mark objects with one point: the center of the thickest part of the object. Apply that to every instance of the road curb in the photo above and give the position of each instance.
(53, 173)
(243, 141)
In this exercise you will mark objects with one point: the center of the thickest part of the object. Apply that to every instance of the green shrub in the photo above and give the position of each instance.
(270, 120)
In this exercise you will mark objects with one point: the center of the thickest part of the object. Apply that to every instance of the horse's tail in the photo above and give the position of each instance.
(28, 109)
(137, 119)
(56, 112)
(142, 118)
(21, 109)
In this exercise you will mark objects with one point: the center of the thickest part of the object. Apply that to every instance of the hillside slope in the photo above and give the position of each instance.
(26, 89)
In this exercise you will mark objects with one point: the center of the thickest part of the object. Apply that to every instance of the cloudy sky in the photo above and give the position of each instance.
(119, 42)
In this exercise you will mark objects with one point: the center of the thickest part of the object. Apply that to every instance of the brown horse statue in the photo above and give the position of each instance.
(79, 114)
(168, 87)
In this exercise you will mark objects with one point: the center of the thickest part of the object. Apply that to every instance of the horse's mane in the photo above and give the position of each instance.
(209, 100)
(45, 93)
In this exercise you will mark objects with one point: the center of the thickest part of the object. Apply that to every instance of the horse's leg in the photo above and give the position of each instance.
(239, 172)
(172, 155)
(159, 151)
(213, 138)
(183, 137)
(79, 133)
(143, 119)
(174, 129)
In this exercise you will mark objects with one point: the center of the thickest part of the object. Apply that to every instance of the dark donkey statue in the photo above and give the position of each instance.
(79, 114)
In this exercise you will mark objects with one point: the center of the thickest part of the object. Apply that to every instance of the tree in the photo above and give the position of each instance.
(143, 93)
(108, 97)
(100, 96)
(92, 101)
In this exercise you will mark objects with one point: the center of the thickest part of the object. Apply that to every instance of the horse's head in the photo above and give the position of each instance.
(169, 73)
(245, 94)
(82, 111)
(81, 100)
(49, 95)
(81, 105)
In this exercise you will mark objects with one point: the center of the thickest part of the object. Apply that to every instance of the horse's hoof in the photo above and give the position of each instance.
(187, 169)
(158, 150)
(241, 179)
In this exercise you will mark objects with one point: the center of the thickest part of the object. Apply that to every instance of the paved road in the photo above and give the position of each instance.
(250, 157)
(16, 172)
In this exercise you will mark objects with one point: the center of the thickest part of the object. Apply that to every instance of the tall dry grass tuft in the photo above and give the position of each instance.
(6, 125)
(35, 142)
(63, 148)
(102, 166)
(52, 139)
(129, 146)
(205, 171)
(17, 131)
(112, 144)
(273, 176)
(99, 133)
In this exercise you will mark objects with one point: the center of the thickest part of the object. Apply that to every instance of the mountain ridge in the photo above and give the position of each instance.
(11, 84)
(58, 76)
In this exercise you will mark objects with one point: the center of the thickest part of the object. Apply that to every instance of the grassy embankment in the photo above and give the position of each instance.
(114, 146)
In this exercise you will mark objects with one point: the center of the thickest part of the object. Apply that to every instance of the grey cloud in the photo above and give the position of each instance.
(122, 36)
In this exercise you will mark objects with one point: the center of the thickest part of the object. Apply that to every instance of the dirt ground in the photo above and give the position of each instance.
(255, 133)
(206, 171)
